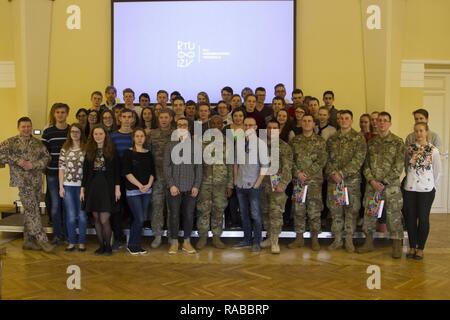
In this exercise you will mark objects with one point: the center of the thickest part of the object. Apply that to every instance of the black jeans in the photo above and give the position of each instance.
(182, 204)
(417, 207)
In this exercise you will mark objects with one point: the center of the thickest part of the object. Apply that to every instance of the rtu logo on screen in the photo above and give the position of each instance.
(188, 51)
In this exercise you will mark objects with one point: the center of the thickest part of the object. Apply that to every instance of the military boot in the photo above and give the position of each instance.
(156, 242)
(396, 248)
(202, 242)
(275, 248)
(218, 243)
(31, 245)
(337, 243)
(368, 244)
(315, 246)
(266, 243)
(349, 243)
(46, 246)
(298, 242)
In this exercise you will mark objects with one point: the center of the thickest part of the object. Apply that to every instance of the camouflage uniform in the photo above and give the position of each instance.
(158, 142)
(346, 154)
(273, 203)
(212, 199)
(385, 164)
(310, 157)
(29, 182)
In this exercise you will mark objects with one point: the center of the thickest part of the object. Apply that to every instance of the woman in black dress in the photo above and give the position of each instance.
(100, 187)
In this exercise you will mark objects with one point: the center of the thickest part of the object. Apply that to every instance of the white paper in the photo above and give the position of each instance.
(305, 190)
(380, 209)
(346, 196)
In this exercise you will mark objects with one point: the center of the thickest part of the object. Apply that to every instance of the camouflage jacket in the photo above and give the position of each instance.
(220, 173)
(15, 149)
(158, 141)
(346, 155)
(285, 164)
(310, 156)
(385, 160)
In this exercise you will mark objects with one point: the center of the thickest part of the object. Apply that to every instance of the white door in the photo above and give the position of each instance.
(436, 100)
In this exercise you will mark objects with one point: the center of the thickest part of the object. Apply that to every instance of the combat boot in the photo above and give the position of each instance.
(46, 246)
(337, 243)
(156, 242)
(315, 246)
(396, 248)
(173, 249)
(31, 245)
(368, 244)
(202, 242)
(266, 243)
(275, 248)
(298, 242)
(349, 243)
(217, 242)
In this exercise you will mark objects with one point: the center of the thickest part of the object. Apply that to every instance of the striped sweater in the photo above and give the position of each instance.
(53, 139)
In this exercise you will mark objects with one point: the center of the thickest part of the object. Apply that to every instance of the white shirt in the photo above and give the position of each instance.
(423, 177)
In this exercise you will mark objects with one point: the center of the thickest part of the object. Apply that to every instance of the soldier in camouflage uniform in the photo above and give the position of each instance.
(310, 158)
(27, 158)
(346, 154)
(273, 198)
(159, 139)
(217, 185)
(382, 170)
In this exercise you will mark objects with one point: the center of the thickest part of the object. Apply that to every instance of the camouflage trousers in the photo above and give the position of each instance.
(211, 203)
(393, 203)
(312, 207)
(158, 203)
(30, 193)
(344, 217)
(272, 208)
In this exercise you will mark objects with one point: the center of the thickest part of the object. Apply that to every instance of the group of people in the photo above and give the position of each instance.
(117, 159)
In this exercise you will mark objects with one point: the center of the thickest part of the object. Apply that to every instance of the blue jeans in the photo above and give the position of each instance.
(138, 206)
(250, 199)
(73, 212)
(56, 206)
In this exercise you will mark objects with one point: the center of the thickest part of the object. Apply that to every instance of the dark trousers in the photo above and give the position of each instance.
(139, 206)
(417, 206)
(250, 208)
(181, 205)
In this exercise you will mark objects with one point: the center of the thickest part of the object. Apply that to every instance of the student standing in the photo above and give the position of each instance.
(71, 161)
(139, 170)
(100, 186)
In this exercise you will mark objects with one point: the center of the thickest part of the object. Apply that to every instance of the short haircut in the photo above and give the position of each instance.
(346, 111)
(239, 109)
(108, 88)
(144, 95)
(162, 91)
(128, 90)
(96, 93)
(178, 98)
(385, 114)
(328, 92)
(308, 115)
(165, 110)
(182, 119)
(191, 103)
(297, 91)
(125, 110)
(175, 93)
(279, 98)
(236, 95)
(227, 89)
(272, 120)
(377, 112)
(260, 89)
(246, 89)
(201, 104)
(314, 99)
(23, 119)
(422, 112)
(324, 108)
(250, 118)
(60, 105)
(248, 96)
(279, 85)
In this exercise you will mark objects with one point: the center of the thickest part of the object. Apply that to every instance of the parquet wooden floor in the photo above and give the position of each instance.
(231, 273)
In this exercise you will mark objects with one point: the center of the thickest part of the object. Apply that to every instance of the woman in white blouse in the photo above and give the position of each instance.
(422, 176)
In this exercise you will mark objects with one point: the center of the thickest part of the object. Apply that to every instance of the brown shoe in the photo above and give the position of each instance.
(31, 245)
(315, 245)
(202, 242)
(368, 244)
(397, 249)
(274, 248)
(47, 247)
(337, 243)
(349, 244)
(218, 243)
(188, 247)
(298, 242)
(266, 243)
(173, 249)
